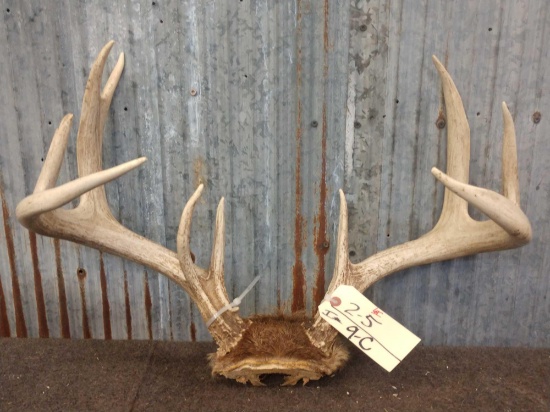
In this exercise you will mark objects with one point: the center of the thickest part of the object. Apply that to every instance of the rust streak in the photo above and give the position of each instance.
(171, 325)
(193, 330)
(81, 274)
(20, 324)
(320, 236)
(298, 271)
(105, 299)
(43, 331)
(199, 174)
(325, 38)
(128, 309)
(148, 306)
(63, 311)
(4, 321)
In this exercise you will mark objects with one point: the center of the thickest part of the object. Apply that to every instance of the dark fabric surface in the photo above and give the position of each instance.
(49, 374)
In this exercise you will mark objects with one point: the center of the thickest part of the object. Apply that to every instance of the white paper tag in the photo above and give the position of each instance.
(376, 333)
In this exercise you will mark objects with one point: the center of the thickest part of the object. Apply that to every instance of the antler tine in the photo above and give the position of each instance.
(89, 142)
(184, 230)
(52, 164)
(458, 145)
(498, 208)
(341, 264)
(109, 89)
(206, 287)
(47, 200)
(510, 183)
(218, 248)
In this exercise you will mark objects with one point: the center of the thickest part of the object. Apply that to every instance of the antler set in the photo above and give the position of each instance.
(301, 349)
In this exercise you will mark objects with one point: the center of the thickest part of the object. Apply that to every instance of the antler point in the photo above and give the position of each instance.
(221, 205)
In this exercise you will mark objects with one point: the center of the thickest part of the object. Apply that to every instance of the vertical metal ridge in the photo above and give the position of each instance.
(20, 323)
(63, 308)
(148, 305)
(298, 270)
(4, 321)
(43, 331)
(86, 330)
(321, 242)
(105, 299)
(128, 308)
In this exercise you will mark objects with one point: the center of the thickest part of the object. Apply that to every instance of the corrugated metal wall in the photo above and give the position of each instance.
(295, 99)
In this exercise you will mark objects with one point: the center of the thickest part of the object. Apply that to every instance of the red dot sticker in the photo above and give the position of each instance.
(335, 301)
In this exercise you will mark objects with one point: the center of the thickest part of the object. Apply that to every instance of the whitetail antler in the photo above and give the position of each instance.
(91, 223)
(456, 234)
(263, 345)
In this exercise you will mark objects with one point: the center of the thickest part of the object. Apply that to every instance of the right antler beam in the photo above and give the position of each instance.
(456, 234)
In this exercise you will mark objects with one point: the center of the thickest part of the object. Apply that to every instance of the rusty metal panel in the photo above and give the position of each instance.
(275, 106)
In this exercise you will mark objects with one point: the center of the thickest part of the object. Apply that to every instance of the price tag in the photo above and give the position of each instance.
(376, 333)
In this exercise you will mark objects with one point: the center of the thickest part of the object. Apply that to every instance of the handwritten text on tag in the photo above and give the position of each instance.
(373, 331)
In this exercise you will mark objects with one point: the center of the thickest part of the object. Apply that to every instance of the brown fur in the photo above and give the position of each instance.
(278, 344)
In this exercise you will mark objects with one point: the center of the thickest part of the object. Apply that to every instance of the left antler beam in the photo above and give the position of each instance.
(92, 224)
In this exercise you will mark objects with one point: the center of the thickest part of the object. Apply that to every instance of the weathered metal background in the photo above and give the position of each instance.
(295, 99)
